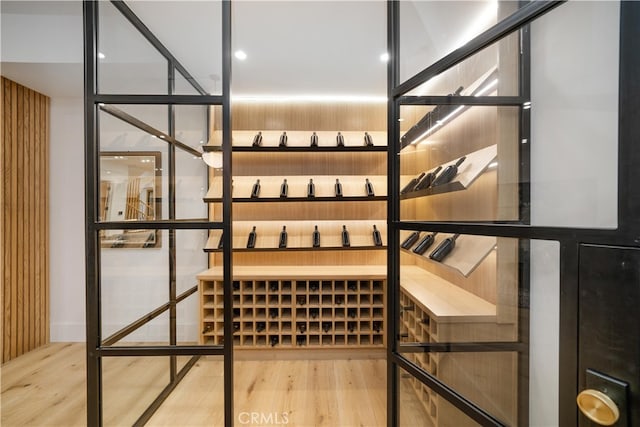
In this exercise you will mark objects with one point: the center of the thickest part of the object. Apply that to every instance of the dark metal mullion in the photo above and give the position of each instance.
(148, 413)
(568, 331)
(160, 350)
(227, 214)
(524, 214)
(519, 18)
(393, 211)
(157, 99)
(628, 123)
(465, 406)
(168, 138)
(208, 136)
(171, 127)
(117, 336)
(146, 33)
(490, 101)
(92, 244)
(199, 224)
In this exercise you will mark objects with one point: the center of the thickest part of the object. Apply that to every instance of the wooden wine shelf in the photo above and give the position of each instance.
(289, 307)
(353, 189)
(472, 167)
(443, 301)
(299, 235)
(235, 149)
(298, 199)
(299, 141)
(301, 249)
(465, 257)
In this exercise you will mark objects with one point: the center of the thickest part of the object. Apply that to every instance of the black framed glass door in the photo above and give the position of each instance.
(493, 152)
(146, 120)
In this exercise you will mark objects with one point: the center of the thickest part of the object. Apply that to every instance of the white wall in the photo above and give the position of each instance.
(134, 281)
(66, 220)
(574, 84)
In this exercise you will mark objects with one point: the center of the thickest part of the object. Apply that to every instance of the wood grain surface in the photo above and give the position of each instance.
(25, 219)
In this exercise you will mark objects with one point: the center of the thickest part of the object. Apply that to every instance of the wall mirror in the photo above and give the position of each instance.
(130, 190)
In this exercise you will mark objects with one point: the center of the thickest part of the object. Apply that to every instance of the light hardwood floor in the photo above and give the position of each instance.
(46, 387)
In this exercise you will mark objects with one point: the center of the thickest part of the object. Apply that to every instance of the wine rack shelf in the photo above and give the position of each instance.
(353, 188)
(299, 235)
(297, 307)
(292, 149)
(443, 301)
(467, 255)
(299, 141)
(473, 166)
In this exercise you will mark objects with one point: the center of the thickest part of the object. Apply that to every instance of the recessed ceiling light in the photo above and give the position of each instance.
(101, 55)
(384, 57)
(240, 55)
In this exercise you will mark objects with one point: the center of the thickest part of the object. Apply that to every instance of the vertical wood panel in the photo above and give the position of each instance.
(24, 221)
(5, 155)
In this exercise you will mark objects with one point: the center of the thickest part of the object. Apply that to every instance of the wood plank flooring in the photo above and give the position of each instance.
(46, 387)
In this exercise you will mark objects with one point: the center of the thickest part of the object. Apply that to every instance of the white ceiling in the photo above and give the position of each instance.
(303, 47)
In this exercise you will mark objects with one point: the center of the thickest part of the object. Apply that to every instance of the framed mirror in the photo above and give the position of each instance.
(130, 190)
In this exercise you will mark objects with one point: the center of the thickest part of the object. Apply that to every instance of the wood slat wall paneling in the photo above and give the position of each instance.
(25, 219)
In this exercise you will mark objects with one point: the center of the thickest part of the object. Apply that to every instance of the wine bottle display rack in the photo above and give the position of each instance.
(300, 235)
(468, 253)
(312, 312)
(324, 295)
(470, 169)
(300, 141)
(353, 189)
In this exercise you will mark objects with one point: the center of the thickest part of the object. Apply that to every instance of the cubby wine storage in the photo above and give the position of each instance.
(434, 310)
(297, 308)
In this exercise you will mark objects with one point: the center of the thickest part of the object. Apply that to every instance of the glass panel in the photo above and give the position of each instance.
(487, 379)
(191, 124)
(121, 179)
(182, 86)
(433, 29)
(574, 123)
(421, 406)
(191, 186)
(192, 32)
(474, 294)
(483, 187)
(458, 288)
(127, 62)
(135, 282)
(188, 321)
(201, 391)
(191, 260)
(491, 72)
(544, 338)
(210, 330)
(129, 385)
(155, 116)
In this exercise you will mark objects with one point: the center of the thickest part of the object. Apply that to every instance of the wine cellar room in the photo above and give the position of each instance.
(354, 213)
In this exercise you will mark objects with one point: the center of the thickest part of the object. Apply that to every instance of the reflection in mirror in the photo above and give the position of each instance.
(130, 190)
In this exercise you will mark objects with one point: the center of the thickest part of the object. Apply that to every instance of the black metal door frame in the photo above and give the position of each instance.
(97, 346)
(570, 239)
